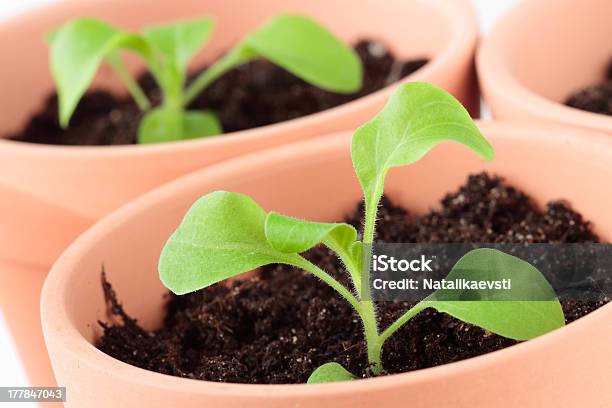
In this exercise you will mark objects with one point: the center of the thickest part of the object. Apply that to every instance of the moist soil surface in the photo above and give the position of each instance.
(255, 94)
(280, 325)
(596, 98)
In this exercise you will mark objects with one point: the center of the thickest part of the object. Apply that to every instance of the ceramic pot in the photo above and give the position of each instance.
(540, 53)
(565, 368)
(48, 194)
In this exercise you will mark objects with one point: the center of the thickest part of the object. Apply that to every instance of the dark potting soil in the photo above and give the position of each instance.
(280, 325)
(595, 98)
(255, 94)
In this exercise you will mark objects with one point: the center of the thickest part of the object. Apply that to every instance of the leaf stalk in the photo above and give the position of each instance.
(134, 89)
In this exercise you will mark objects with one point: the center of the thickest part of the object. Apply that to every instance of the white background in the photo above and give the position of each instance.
(11, 372)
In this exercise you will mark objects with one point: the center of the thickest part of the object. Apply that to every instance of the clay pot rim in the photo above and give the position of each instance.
(493, 70)
(56, 323)
(463, 34)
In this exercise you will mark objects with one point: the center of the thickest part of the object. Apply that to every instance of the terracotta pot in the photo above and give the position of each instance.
(564, 368)
(50, 193)
(540, 53)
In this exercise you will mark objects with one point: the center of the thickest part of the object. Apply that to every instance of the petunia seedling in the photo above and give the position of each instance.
(294, 42)
(225, 234)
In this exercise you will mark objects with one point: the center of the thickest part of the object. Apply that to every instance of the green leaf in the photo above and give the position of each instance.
(292, 235)
(529, 309)
(309, 51)
(160, 125)
(198, 124)
(167, 125)
(330, 372)
(416, 118)
(356, 250)
(299, 45)
(77, 50)
(179, 41)
(221, 236)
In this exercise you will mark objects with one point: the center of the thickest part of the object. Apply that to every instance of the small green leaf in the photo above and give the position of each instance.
(167, 125)
(197, 124)
(330, 372)
(77, 50)
(309, 51)
(160, 125)
(509, 313)
(292, 235)
(221, 236)
(179, 41)
(416, 118)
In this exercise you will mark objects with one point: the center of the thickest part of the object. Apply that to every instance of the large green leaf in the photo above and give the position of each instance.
(77, 50)
(299, 45)
(221, 236)
(179, 41)
(415, 119)
(330, 372)
(293, 235)
(308, 50)
(527, 310)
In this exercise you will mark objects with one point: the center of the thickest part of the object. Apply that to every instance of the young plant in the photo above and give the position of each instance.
(225, 234)
(293, 42)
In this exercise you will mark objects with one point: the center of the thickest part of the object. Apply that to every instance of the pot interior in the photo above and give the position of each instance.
(410, 28)
(315, 180)
(558, 47)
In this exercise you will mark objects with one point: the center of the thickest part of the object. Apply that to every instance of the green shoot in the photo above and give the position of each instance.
(294, 42)
(225, 234)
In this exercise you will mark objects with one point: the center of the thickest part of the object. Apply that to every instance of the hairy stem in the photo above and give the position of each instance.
(349, 264)
(370, 222)
(325, 277)
(365, 309)
(128, 81)
(375, 348)
(373, 339)
(371, 209)
(402, 320)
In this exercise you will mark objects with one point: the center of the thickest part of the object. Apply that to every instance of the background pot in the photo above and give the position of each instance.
(566, 368)
(53, 192)
(540, 53)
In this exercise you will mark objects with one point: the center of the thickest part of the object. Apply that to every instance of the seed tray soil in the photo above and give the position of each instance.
(595, 98)
(255, 94)
(281, 324)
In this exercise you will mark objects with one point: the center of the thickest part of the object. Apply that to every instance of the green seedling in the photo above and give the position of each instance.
(225, 234)
(293, 42)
